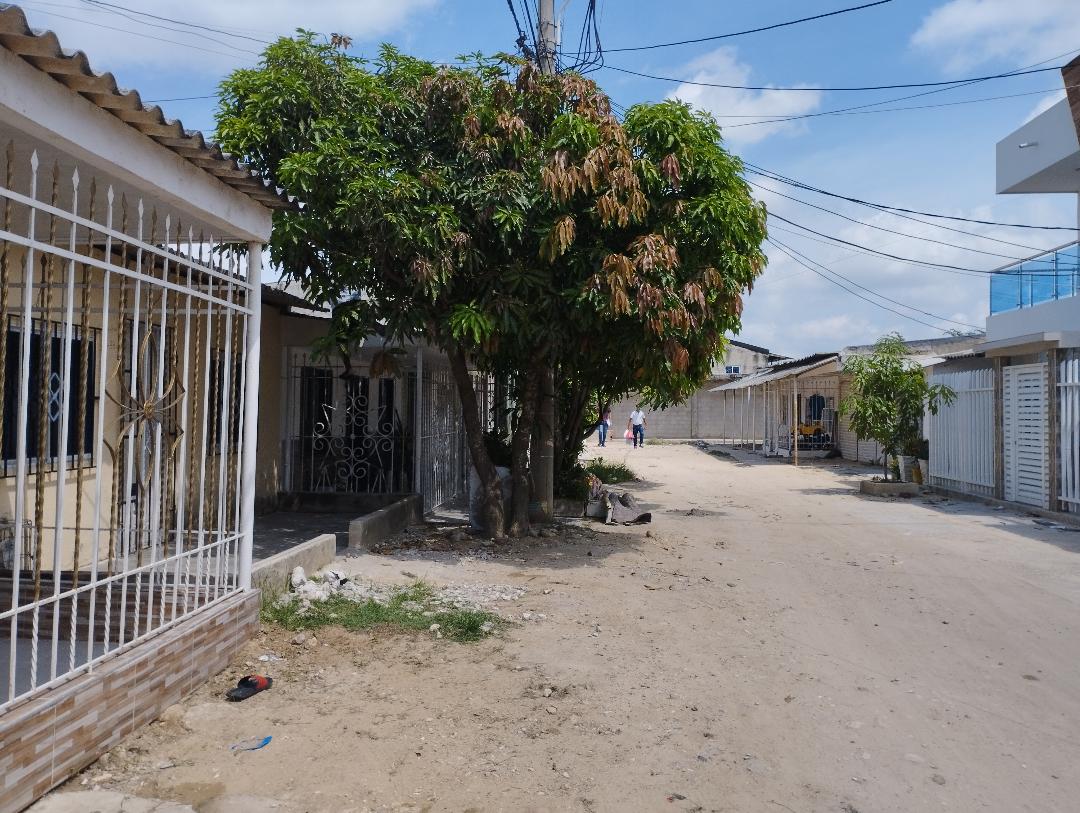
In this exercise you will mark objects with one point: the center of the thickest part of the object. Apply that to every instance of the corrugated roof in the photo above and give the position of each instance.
(42, 50)
(787, 369)
(280, 298)
(753, 348)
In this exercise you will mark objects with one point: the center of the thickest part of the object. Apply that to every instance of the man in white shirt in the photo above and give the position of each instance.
(637, 424)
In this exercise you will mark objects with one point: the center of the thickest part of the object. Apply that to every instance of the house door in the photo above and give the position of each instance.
(1025, 419)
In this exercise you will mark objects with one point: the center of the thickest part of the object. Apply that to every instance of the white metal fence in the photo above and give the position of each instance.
(126, 488)
(1069, 419)
(961, 435)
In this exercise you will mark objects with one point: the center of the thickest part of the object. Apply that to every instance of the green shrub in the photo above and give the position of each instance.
(610, 473)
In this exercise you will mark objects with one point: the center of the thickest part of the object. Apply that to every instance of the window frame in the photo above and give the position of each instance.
(84, 460)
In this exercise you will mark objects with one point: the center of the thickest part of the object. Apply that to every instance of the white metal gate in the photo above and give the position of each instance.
(961, 435)
(1025, 416)
(1069, 412)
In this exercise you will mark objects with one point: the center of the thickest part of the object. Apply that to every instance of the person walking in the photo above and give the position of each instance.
(637, 425)
(604, 426)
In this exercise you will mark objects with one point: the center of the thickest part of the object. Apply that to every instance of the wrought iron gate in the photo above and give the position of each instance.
(347, 431)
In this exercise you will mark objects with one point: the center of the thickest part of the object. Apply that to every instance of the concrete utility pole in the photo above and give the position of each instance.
(545, 29)
(543, 451)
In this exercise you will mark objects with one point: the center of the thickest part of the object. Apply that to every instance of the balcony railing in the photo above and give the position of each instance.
(1043, 278)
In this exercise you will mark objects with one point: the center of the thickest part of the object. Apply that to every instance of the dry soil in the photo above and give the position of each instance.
(773, 641)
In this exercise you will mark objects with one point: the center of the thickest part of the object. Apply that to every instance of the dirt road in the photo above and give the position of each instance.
(774, 642)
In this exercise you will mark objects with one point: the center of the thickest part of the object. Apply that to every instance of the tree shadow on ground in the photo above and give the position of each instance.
(575, 543)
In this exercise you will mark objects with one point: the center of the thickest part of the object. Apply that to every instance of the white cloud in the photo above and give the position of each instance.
(121, 39)
(796, 312)
(1045, 104)
(723, 67)
(968, 33)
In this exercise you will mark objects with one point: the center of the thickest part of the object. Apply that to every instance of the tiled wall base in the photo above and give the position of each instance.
(52, 736)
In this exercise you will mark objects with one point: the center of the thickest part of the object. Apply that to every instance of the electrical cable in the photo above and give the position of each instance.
(883, 228)
(788, 89)
(140, 34)
(750, 30)
(858, 110)
(809, 188)
(796, 259)
(180, 99)
(871, 252)
(522, 41)
(777, 177)
(929, 263)
(102, 4)
(877, 293)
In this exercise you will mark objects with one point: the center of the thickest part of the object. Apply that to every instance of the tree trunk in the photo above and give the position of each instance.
(572, 430)
(519, 452)
(494, 520)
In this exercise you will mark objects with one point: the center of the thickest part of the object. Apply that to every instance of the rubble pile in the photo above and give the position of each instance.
(463, 596)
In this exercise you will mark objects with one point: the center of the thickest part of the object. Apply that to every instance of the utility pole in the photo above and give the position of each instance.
(543, 451)
(545, 30)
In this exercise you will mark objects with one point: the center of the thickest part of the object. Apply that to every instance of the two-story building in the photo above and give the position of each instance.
(1013, 432)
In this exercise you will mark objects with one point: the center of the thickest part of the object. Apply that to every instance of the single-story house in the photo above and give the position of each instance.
(130, 294)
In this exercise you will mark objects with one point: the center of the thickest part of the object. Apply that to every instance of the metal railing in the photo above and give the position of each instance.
(142, 517)
(1054, 274)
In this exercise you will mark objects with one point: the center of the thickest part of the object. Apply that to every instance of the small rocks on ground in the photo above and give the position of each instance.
(304, 638)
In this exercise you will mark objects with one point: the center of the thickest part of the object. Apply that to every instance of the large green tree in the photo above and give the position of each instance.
(507, 216)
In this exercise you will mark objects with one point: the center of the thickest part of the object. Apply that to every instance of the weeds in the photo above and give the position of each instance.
(404, 611)
(610, 473)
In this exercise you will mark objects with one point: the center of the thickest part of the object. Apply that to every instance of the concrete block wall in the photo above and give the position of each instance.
(705, 415)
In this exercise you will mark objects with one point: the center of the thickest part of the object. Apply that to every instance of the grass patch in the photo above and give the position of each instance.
(610, 473)
(404, 611)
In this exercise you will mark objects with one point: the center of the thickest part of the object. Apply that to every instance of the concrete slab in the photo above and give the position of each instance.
(372, 528)
(107, 801)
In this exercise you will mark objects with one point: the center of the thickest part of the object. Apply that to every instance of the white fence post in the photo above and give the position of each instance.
(251, 414)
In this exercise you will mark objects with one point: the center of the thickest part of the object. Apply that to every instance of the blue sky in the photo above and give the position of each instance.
(938, 159)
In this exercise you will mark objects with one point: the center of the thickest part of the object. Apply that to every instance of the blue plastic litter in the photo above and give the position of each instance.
(254, 744)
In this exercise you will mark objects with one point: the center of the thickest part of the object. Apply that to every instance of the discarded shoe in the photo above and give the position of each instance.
(247, 686)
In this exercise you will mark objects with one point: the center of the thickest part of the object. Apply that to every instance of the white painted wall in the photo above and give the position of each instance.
(1048, 162)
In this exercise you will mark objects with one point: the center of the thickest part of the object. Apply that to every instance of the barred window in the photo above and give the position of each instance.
(53, 406)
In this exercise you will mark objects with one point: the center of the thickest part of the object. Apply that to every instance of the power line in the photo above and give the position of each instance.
(749, 30)
(809, 188)
(777, 177)
(879, 294)
(859, 111)
(883, 228)
(929, 263)
(104, 5)
(137, 33)
(868, 252)
(522, 41)
(180, 99)
(788, 89)
(902, 315)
